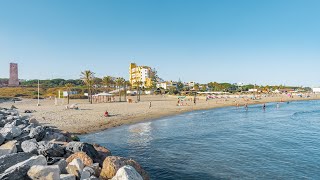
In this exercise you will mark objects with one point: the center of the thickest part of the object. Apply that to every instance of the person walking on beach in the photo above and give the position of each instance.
(150, 105)
(246, 107)
(264, 107)
(278, 106)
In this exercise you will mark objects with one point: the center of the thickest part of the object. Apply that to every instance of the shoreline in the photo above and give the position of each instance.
(180, 113)
(90, 119)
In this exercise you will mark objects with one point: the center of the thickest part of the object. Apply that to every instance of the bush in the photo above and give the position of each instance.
(78, 96)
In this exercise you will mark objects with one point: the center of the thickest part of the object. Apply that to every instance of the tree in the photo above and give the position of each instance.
(68, 87)
(204, 88)
(97, 81)
(87, 77)
(173, 90)
(119, 82)
(179, 85)
(126, 84)
(138, 84)
(154, 78)
(196, 87)
(107, 81)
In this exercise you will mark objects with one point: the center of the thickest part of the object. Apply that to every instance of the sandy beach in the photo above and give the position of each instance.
(90, 117)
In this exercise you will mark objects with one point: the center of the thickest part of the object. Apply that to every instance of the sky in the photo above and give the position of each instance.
(261, 42)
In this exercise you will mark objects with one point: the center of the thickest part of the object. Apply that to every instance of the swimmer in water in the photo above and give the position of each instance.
(278, 105)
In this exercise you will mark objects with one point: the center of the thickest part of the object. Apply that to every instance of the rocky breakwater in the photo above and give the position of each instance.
(29, 150)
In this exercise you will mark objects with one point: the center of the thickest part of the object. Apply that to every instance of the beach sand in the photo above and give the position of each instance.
(90, 117)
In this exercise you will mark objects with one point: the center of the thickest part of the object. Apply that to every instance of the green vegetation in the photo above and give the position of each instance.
(90, 84)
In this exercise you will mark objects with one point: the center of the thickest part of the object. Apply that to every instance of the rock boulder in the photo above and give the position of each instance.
(84, 147)
(20, 170)
(50, 149)
(8, 148)
(62, 166)
(10, 131)
(113, 163)
(75, 167)
(38, 133)
(67, 177)
(1, 139)
(127, 173)
(44, 172)
(30, 146)
(9, 160)
(87, 161)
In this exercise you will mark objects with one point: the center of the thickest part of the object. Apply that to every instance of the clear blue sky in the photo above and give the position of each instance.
(250, 41)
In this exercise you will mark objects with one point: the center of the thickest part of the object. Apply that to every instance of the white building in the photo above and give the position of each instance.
(253, 90)
(316, 90)
(145, 73)
(191, 84)
(166, 85)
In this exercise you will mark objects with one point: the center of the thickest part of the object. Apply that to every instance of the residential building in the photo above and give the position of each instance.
(167, 84)
(191, 84)
(316, 90)
(140, 75)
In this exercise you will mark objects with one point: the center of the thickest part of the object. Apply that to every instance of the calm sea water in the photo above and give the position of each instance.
(226, 143)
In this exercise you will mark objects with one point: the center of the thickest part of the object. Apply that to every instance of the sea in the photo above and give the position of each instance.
(279, 142)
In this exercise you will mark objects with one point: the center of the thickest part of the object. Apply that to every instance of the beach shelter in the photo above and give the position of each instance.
(102, 97)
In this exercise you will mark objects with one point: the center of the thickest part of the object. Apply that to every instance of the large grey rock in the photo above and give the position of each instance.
(22, 126)
(7, 135)
(29, 127)
(17, 122)
(9, 160)
(54, 136)
(44, 172)
(96, 169)
(84, 147)
(1, 139)
(20, 170)
(87, 172)
(62, 166)
(30, 146)
(8, 148)
(2, 122)
(10, 118)
(127, 173)
(50, 149)
(67, 177)
(38, 133)
(23, 137)
(85, 175)
(75, 167)
(10, 129)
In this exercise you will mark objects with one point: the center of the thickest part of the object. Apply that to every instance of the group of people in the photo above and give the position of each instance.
(264, 106)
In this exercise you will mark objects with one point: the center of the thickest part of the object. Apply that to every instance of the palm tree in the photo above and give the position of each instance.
(68, 87)
(87, 77)
(107, 81)
(138, 84)
(119, 83)
(126, 84)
